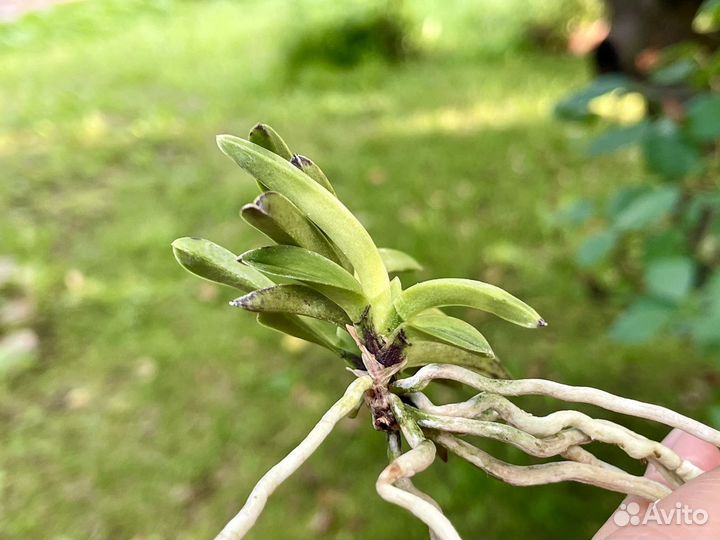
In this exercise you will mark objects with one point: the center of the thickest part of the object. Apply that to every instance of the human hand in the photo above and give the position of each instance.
(695, 505)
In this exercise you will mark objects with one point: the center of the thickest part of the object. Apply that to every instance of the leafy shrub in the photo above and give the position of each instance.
(378, 31)
(662, 237)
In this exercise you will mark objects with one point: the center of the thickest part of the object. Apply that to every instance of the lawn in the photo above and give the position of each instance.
(154, 406)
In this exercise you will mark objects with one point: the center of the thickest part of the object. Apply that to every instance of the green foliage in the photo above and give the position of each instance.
(452, 331)
(465, 292)
(300, 264)
(326, 291)
(294, 299)
(215, 263)
(378, 30)
(398, 261)
(663, 236)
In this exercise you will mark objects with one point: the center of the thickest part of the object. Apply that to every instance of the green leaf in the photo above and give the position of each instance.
(452, 331)
(577, 213)
(576, 106)
(395, 288)
(265, 136)
(297, 299)
(215, 263)
(300, 264)
(622, 198)
(708, 17)
(642, 321)
(297, 327)
(667, 243)
(703, 118)
(618, 138)
(279, 219)
(670, 278)
(307, 166)
(421, 353)
(596, 248)
(677, 72)
(398, 261)
(323, 209)
(466, 292)
(647, 209)
(668, 154)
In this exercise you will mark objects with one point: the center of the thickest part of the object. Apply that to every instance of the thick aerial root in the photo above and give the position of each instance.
(245, 519)
(406, 466)
(548, 447)
(635, 445)
(394, 452)
(575, 394)
(550, 473)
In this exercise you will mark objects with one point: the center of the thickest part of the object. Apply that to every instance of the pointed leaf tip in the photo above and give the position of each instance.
(295, 299)
(542, 323)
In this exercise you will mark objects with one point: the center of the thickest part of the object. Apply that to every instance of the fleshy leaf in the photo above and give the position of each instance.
(279, 219)
(421, 353)
(450, 330)
(395, 287)
(307, 166)
(297, 299)
(300, 264)
(323, 209)
(398, 261)
(265, 136)
(296, 327)
(468, 293)
(215, 263)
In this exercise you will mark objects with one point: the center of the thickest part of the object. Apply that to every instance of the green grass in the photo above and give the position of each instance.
(155, 407)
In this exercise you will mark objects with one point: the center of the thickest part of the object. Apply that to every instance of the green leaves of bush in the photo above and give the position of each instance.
(332, 275)
(663, 238)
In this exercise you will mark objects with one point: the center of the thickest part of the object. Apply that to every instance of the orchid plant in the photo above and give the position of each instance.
(324, 280)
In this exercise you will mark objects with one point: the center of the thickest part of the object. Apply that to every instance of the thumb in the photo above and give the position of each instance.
(692, 511)
(704, 455)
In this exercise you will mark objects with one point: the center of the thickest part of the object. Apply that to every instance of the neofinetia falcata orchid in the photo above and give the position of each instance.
(325, 281)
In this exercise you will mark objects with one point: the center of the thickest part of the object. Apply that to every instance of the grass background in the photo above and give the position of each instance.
(154, 407)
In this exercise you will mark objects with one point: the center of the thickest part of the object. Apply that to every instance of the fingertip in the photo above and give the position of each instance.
(700, 453)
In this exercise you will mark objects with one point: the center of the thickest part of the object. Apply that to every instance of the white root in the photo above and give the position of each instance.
(548, 447)
(475, 408)
(550, 473)
(579, 454)
(403, 467)
(635, 445)
(406, 466)
(575, 394)
(394, 452)
(248, 515)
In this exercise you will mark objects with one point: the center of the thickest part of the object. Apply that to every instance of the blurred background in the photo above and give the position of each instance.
(564, 150)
